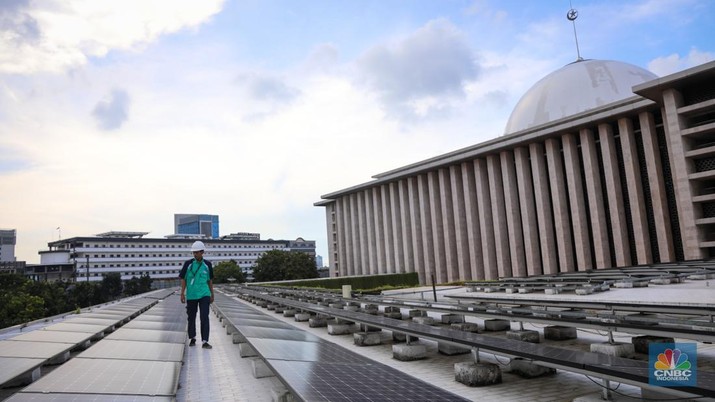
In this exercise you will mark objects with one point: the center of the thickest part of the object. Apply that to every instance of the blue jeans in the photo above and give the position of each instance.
(203, 305)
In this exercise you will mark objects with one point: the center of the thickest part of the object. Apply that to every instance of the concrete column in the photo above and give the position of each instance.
(562, 224)
(371, 232)
(427, 231)
(406, 223)
(388, 248)
(484, 202)
(440, 260)
(459, 217)
(343, 229)
(501, 232)
(543, 207)
(596, 204)
(680, 169)
(379, 232)
(447, 199)
(579, 218)
(416, 227)
(353, 244)
(656, 183)
(364, 267)
(472, 223)
(636, 198)
(395, 224)
(616, 204)
(528, 211)
(513, 214)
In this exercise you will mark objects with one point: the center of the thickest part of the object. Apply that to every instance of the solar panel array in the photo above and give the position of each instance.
(138, 361)
(318, 370)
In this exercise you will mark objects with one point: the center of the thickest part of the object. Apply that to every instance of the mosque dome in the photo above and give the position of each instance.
(575, 88)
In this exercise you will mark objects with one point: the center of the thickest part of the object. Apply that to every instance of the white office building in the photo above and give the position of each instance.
(132, 255)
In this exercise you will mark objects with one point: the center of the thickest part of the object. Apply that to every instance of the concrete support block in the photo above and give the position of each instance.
(230, 328)
(526, 290)
(237, 337)
(262, 303)
(402, 337)
(366, 338)
(424, 320)
(392, 309)
(527, 369)
(280, 309)
(59, 359)
(340, 329)
(559, 333)
(642, 343)
(246, 350)
(289, 312)
(260, 369)
(317, 322)
(466, 327)
(302, 317)
(271, 306)
(417, 313)
(584, 290)
(451, 350)
(497, 325)
(524, 335)
(552, 291)
(395, 315)
(452, 318)
(281, 394)
(336, 305)
(413, 351)
(626, 350)
(24, 379)
(477, 374)
(351, 308)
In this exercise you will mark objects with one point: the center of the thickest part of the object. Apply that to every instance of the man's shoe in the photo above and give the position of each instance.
(192, 342)
(206, 345)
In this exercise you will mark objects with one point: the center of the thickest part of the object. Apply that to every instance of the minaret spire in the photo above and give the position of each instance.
(571, 15)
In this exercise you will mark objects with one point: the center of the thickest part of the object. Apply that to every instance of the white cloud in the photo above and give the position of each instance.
(421, 72)
(112, 112)
(54, 35)
(674, 63)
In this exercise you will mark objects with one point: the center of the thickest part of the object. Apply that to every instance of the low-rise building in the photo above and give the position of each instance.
(132, 255)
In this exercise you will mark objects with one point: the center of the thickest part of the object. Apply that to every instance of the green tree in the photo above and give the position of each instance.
(225, 270)
(277, 265)
(111, 287)
(17, 304)
(135, 286)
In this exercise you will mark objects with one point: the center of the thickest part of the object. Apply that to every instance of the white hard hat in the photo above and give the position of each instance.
(198, 246)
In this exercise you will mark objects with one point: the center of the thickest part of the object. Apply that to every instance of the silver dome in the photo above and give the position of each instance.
(575, 88)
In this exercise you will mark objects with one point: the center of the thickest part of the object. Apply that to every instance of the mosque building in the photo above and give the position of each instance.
(602, 164)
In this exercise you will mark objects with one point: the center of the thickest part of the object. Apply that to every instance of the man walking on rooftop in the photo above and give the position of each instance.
(197, 291)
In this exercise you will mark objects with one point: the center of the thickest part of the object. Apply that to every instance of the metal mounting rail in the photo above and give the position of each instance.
(593, 364)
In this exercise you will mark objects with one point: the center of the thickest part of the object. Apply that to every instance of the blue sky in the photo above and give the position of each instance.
(114, 115)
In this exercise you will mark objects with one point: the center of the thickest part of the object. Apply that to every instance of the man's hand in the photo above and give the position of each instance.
(183, 299)
(212, 297)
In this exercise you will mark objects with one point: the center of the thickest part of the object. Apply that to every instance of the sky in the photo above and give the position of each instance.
(115, 115)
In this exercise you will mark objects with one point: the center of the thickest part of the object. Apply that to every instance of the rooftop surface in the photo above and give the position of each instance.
(222, 374)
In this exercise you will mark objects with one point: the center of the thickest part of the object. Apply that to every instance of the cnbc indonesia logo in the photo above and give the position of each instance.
(673, 364)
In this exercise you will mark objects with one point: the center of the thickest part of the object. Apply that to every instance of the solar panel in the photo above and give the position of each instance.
(278, 333)
(12, 367)
(69, 327)
(134, 350)
(53, 336)
(323, 381)
(261, 323)
(133, 334)
(106, 376)
(305, 351)
(160, 326)
(35, 350)
(93, 321)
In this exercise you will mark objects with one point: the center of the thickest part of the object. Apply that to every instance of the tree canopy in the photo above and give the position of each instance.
(277, 265)
(224, 271)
